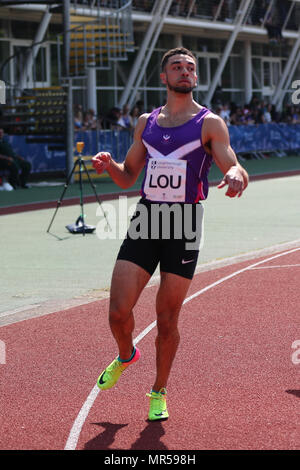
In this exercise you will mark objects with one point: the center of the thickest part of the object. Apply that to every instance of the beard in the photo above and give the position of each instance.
(180, 89)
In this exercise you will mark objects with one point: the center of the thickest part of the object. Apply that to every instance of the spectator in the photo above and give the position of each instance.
(175, 8)
(295, 115)
(18, 168)
(140, 105)
(90, 121)
(273, 26)
(236, 117)
(135, 113)
(125, 119)
(225, 114)
(258, 12)
(78, 119)
(258, 115)
(112, 118)
(267, 117)
(248, 117)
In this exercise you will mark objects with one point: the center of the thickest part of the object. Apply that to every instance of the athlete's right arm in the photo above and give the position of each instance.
(125, 174)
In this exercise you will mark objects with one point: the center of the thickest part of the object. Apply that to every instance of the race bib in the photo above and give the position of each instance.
(165, 180)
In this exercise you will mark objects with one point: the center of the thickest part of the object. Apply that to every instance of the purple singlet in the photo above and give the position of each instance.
(177, 165)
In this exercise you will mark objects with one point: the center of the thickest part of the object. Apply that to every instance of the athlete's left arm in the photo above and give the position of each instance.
(216, 141)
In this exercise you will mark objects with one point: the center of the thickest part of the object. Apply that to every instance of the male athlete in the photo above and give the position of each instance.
(176, 144)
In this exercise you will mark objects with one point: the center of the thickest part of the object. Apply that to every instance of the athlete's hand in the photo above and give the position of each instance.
(101, 161)
(235, 181)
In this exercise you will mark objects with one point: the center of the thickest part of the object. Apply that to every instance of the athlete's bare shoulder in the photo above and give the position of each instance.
(143, 117)
(141, 124)
(213, 125)
(213, 119)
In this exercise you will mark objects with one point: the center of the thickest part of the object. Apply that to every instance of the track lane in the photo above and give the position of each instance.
(52, 366)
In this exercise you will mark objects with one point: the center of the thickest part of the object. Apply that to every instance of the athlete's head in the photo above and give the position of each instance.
(179, 70)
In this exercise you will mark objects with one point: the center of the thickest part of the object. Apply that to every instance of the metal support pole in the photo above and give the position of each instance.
(226, 53)
(142, 71)
(91, 88)
(68, 85)
(35, 49)
(157, 10)
(248, 72)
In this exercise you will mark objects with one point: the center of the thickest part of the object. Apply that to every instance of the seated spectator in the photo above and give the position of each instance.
(134, 113)
(267, 117)
(258, 115)
(125, 120)
(248, 117)
(17, 167)
(112, 118)
(225, 114)
(140, 105)
(90, 121)
(237, 117)
(295, 115)
(78, 119)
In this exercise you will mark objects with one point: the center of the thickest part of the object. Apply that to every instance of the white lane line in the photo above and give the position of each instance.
(279, 266)
(84, 411)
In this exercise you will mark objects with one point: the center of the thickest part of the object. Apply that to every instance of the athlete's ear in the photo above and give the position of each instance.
(163, 78)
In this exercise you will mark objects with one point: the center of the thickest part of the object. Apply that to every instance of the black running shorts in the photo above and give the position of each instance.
(168, 234)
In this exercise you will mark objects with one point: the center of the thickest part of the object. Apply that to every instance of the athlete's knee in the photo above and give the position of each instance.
(118, 313)
(167, 324)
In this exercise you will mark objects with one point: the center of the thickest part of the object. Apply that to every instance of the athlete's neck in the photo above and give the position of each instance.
(180, 103)
(178, 110)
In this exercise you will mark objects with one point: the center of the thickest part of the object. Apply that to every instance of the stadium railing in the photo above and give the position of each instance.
(255, 141)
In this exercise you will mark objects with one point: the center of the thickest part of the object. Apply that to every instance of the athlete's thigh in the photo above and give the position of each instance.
(128, 281)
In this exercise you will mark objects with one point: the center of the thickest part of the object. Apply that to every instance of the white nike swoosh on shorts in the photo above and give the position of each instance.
(187, 261)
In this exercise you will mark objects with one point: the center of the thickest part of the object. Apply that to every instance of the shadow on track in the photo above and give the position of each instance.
(149, 438)
(105, 438)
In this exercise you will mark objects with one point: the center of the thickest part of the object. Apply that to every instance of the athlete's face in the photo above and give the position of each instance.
(180, 74)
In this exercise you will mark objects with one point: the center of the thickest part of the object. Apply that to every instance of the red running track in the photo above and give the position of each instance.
(234, 384)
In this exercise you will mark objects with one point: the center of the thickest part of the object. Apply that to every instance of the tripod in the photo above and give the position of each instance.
(79, 226)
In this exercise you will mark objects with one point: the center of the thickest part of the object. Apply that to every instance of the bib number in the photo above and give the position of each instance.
(165, 180)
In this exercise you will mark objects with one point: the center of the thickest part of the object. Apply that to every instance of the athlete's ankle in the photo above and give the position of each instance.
(126, 358)
(158, 388)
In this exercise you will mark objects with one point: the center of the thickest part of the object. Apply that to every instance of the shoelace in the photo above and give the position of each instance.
(116, 365)
(157, 402)
(158, 396)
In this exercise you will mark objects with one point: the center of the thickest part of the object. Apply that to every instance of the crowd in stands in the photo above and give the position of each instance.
(256, 112)
(115, 119)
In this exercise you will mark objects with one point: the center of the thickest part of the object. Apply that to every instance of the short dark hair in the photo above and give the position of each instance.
(177, 50)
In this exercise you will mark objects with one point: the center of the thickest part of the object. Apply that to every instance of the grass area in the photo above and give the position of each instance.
(106, 186)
